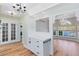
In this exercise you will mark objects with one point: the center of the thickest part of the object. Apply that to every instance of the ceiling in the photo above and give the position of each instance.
(32, 8)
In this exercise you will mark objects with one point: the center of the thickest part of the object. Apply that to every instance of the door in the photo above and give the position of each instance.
(13, 32)
(4, 33)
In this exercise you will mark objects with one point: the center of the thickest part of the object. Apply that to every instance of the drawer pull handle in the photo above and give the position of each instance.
(29, 41)
(37, 46)
(37, 41)
(37, 52)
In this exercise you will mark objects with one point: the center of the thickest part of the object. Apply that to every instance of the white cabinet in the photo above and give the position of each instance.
(39, 45)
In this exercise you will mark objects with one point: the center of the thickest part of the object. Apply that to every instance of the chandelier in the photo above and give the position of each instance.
(20, 8)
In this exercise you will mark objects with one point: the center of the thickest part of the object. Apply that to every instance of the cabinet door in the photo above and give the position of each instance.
(29, 43)
(47, 48)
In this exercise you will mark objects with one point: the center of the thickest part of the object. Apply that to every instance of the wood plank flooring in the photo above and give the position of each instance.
(62, 48)
(66, 48)
(14, 49)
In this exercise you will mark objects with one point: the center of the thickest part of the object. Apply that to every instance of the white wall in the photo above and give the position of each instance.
(28, 26)
(42, 25)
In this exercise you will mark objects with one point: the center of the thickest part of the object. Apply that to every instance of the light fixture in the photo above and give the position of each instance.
(20, 8)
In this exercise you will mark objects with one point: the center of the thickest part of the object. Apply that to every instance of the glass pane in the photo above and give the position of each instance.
(60, 33)
(13, 31)
(5, 32)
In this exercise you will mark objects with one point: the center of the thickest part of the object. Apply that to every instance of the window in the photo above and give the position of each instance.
(60, 33)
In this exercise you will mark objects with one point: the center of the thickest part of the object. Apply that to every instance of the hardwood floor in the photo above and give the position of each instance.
(66, 48)
(14, 49)
(62, 48)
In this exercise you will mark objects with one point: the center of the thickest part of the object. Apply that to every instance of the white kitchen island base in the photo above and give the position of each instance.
(40, 44)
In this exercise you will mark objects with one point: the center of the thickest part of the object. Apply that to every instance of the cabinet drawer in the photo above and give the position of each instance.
(38, 42)
(30, 41)
(37, 47)
(38, 52)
